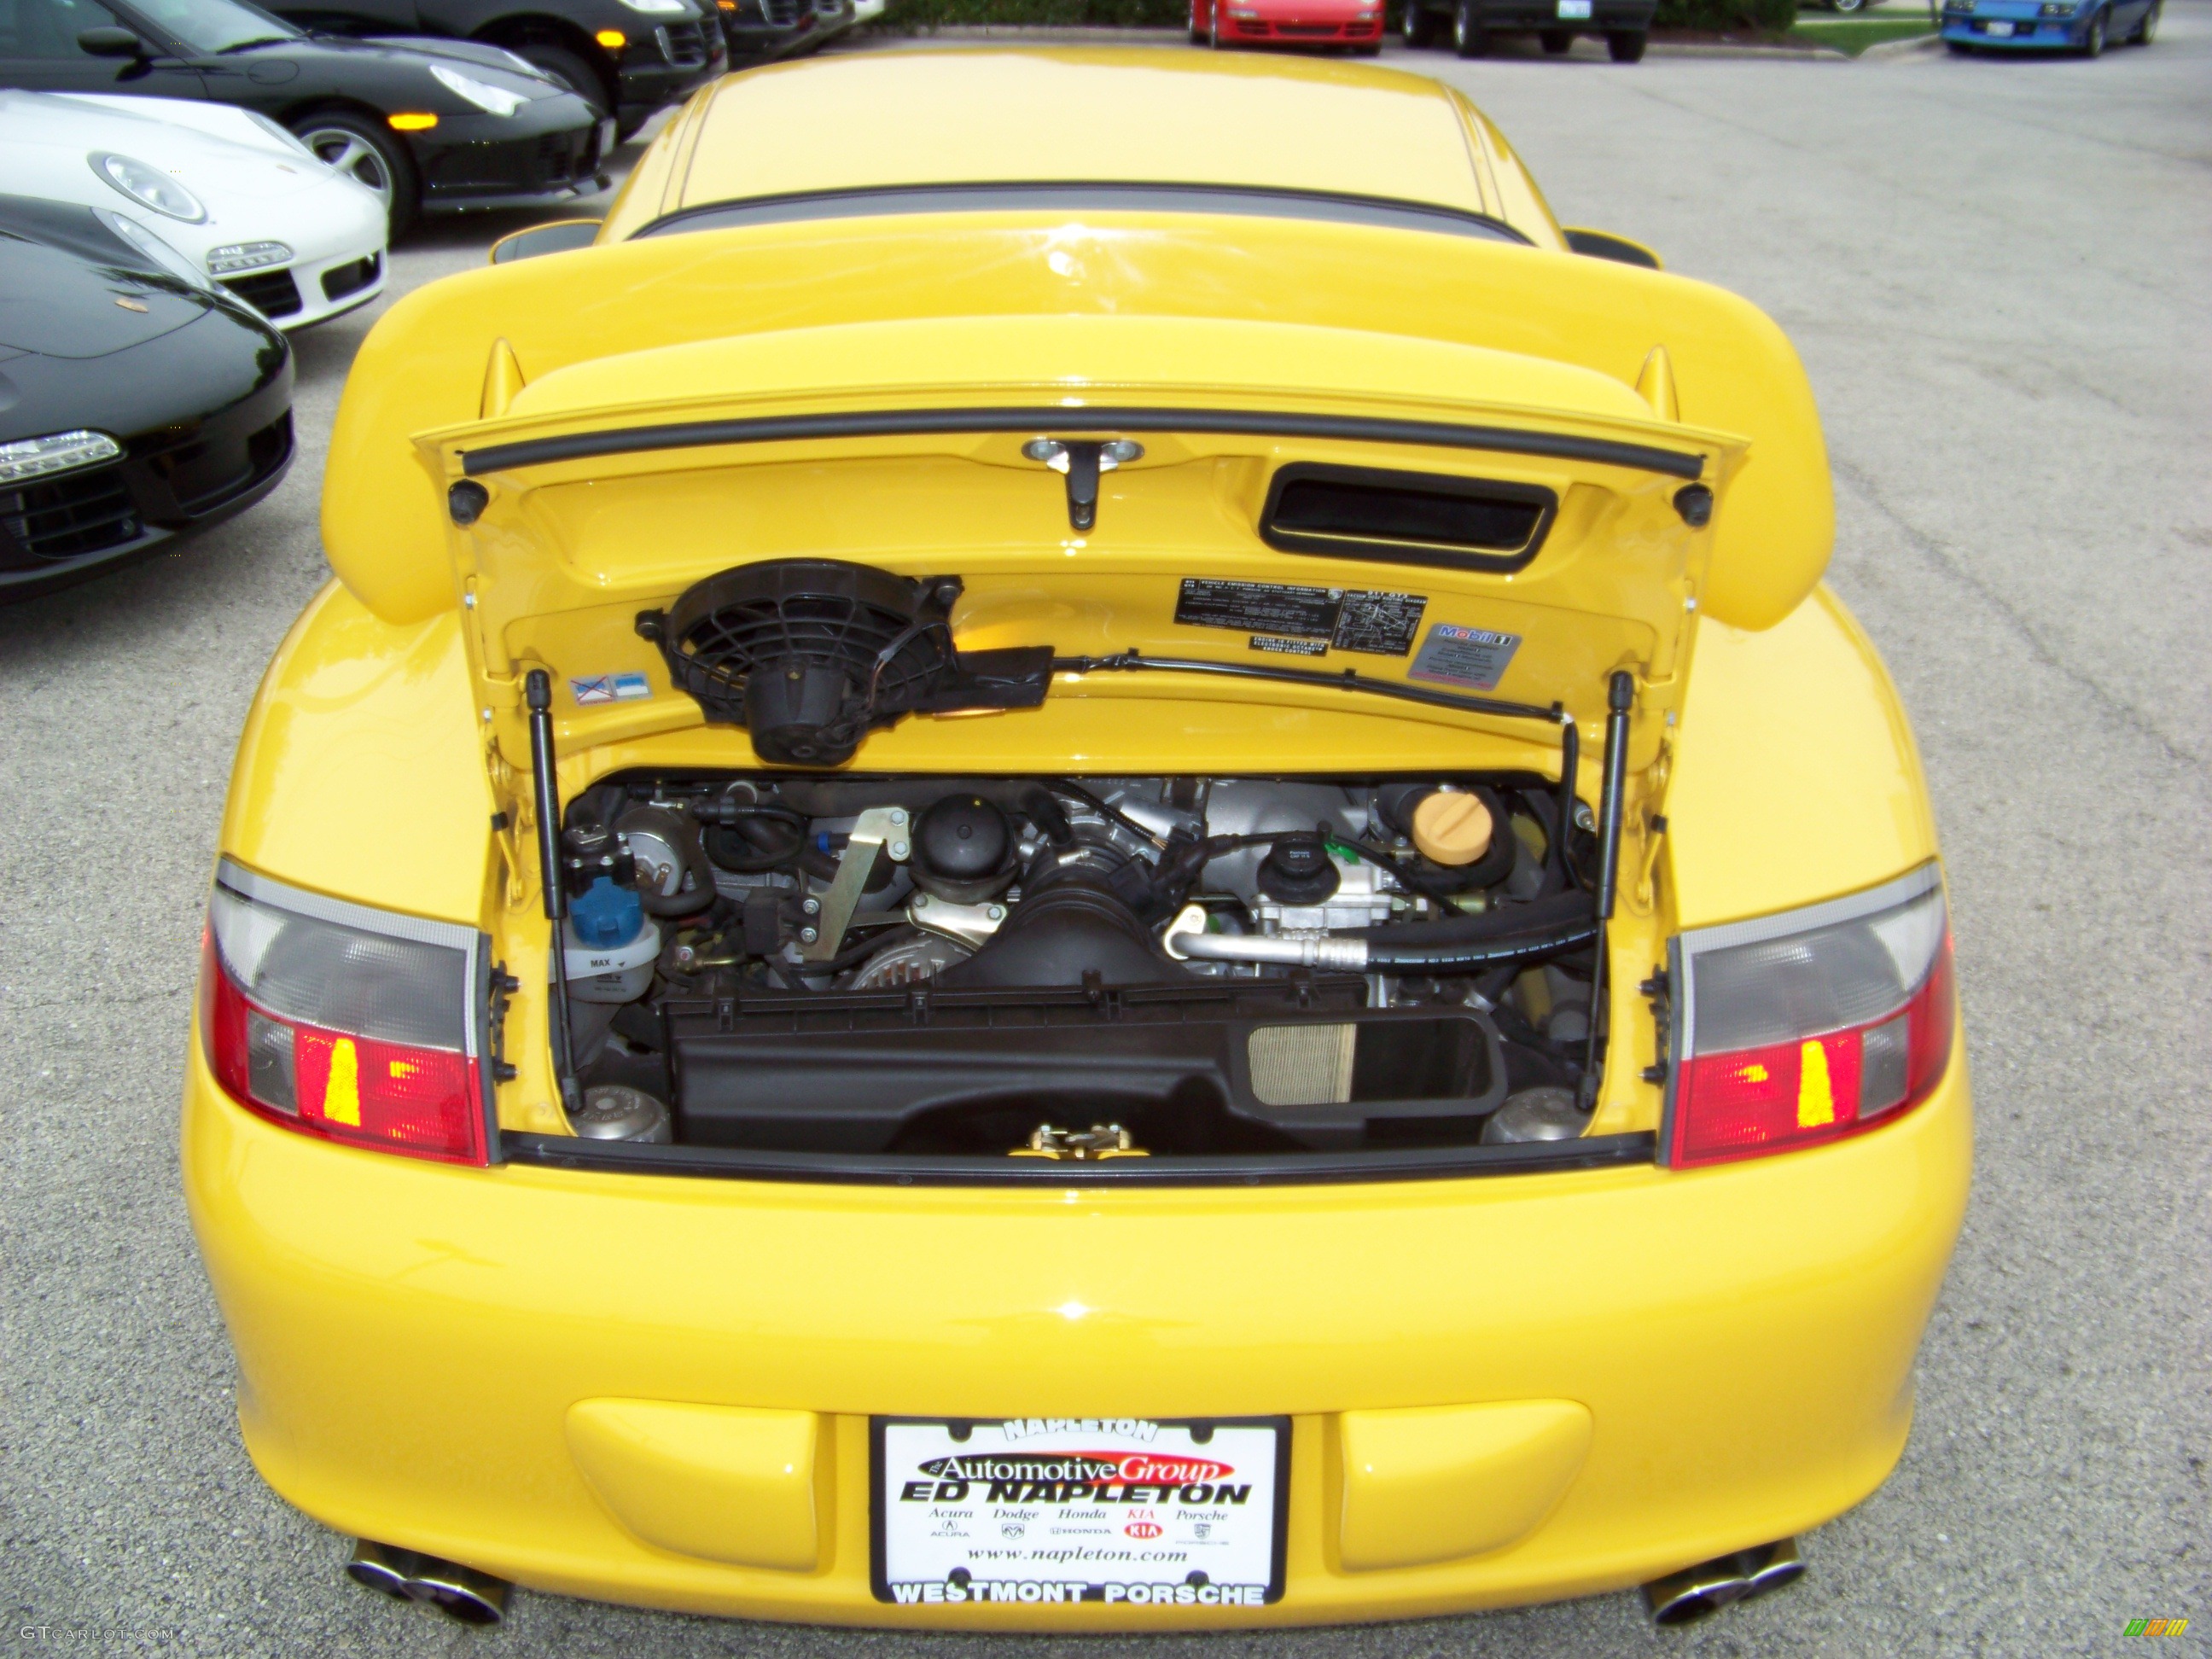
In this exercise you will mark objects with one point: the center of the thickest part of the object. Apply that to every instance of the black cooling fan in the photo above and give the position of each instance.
(808, 654)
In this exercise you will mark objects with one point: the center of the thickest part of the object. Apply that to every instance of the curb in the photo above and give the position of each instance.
(1919, 45)
(1805, 54)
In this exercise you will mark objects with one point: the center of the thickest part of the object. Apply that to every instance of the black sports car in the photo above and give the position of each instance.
(137, 400)
(626, 57)
(425, 124)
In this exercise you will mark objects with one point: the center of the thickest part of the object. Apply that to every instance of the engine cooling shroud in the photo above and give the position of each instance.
(809, 655)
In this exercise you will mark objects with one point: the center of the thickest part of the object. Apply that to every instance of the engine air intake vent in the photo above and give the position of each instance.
(809, 654)
(1406, 518)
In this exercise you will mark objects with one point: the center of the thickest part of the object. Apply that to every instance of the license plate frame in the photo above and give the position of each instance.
(1999, 29)
(1258, 1447)
(1574, 11)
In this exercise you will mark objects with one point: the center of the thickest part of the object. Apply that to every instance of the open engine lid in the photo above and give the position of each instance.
(1430, 514)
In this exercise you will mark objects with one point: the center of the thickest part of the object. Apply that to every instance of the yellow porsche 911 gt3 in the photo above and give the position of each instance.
(1095, 857)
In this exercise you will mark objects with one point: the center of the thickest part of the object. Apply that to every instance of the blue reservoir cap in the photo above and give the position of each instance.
(607, 916)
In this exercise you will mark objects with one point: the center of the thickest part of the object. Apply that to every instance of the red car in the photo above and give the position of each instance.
(1354, 23)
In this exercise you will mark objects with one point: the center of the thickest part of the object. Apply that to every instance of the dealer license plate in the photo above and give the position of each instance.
(1577, 11)
(1126, 1511)
(2001, 31)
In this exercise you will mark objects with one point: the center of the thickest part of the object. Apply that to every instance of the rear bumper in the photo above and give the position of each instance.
(1292, 32)
(1606, 16)
(412, 1338)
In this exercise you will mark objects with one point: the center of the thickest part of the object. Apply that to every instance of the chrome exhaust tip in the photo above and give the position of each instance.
(382, 1567)
(1699, 1592)
(462, 1593)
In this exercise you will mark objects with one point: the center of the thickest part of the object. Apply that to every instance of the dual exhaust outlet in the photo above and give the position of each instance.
(462, 1593)
(1682, 1598)
(470, 1597)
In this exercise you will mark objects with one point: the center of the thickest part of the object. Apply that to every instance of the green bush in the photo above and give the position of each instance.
(1726, 17)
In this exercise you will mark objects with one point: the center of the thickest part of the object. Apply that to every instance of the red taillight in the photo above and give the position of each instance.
(1848, 1009)
(326, 1048)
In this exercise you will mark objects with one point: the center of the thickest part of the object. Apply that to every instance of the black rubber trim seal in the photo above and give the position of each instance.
(1349, 679)
(1337, 544)
(1087, 195)
(1278, 1169)
(1057, 421)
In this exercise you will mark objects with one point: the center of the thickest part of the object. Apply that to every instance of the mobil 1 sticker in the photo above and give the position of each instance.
(1345, 619)
(1474, 658)
(1125, 1512)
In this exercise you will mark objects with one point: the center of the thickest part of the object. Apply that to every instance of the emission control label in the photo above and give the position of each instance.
(1473, 658)
(1272, 614)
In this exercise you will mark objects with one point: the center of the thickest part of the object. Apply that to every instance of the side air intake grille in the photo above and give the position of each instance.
(271, 293)
(61, 517)
(1406, 518)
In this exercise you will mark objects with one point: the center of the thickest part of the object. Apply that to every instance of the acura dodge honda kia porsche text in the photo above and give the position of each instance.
(1036, 935)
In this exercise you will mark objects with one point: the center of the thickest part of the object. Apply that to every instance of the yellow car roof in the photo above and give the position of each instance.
(1150, 115)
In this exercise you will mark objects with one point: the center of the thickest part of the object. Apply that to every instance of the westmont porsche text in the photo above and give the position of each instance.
(1183, 1595)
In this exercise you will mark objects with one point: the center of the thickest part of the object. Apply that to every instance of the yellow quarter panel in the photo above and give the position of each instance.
(1445, 1482)
(1797, 778)
(360, 772)
(713, 1481)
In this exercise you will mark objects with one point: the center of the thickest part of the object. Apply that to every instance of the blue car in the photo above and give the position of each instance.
(2086, 27)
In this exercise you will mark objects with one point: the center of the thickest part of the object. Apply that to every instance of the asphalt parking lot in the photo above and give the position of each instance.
(1995, 272)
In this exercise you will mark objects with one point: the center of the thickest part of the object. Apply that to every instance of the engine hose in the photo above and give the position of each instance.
(757, 837)
(1481, 953)
(1351, 954)
(1540, 915)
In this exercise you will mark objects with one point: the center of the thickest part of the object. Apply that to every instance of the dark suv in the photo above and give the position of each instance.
(775, 28)
(625, 58)
(1625, 24)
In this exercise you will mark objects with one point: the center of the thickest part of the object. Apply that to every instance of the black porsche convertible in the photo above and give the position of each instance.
(137, 400)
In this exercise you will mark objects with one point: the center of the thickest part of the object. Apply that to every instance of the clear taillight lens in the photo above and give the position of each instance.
(354, 1024)
(1806, 1027)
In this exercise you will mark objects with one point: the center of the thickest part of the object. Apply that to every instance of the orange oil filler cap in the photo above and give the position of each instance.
(1451, 827)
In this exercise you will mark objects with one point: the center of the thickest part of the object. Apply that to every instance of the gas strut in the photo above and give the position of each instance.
(1619, 698)
(537, 692)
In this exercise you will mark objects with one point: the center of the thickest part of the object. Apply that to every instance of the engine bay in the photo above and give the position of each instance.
(1074, 967)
